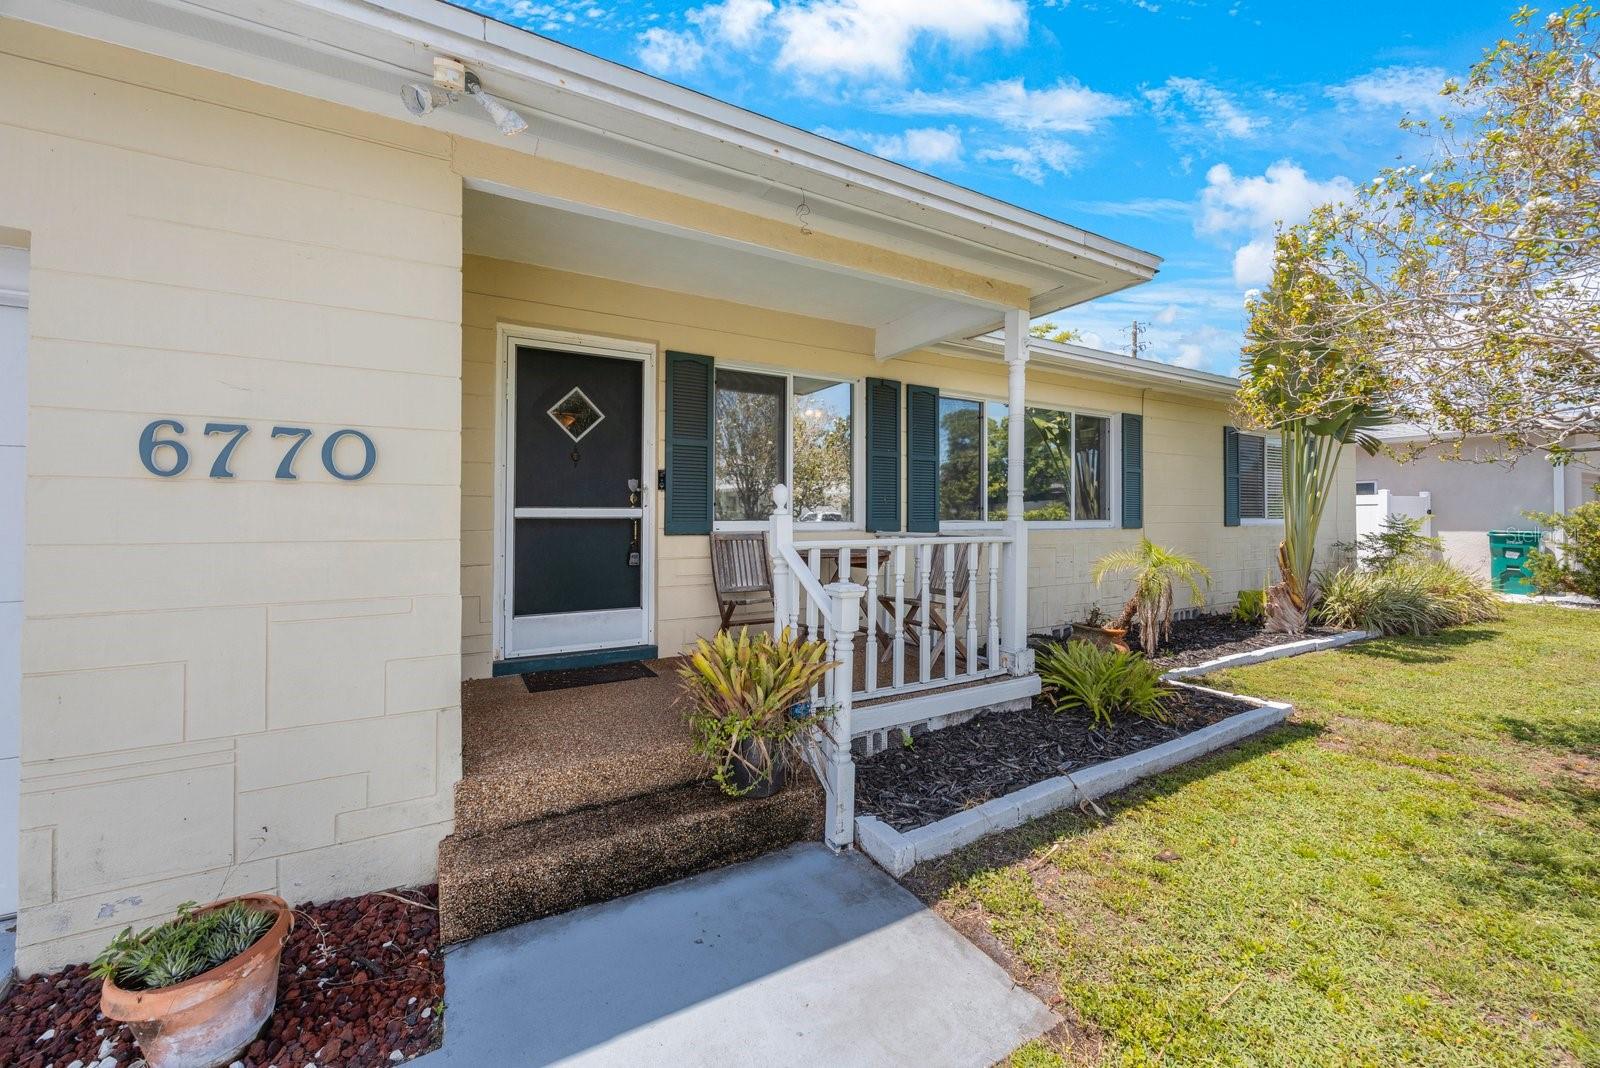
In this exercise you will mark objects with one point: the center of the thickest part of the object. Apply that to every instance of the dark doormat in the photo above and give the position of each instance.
(540, 681)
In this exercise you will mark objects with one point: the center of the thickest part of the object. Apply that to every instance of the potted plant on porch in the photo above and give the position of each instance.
(749, 705)
(196, 990)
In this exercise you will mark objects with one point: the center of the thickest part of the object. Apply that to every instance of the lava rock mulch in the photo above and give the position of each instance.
(361, 985)
(1201, 638)
(947, 771)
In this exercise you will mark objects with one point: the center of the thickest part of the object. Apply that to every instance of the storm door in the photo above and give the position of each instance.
(578, 561)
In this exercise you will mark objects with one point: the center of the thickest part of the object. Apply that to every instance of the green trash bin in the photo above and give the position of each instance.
(1508, 559)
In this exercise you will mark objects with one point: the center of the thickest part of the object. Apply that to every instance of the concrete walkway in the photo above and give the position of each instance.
(801, 957)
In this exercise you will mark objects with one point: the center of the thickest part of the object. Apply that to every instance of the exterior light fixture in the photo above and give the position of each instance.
(507, 121)
(449, 80)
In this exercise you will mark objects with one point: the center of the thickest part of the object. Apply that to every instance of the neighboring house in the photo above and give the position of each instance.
(330, 408)
(1465, 496)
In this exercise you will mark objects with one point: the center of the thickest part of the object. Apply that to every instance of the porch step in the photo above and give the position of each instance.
(530, 756)
(503, 877)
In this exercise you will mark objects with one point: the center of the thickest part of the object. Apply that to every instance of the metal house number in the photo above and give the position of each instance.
(167, 457)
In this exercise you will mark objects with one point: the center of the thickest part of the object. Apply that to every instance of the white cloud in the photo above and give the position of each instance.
(740, 23)
(1137, 208)
(1393, 88)
(670, 51)
(1066, 107)
(833, 38)
(1193, 107)
(1030, 161)
(875, 37)
(921, 147)
(1255, 205)
(924, 146)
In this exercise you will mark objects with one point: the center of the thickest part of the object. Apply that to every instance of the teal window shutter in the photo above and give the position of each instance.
(1132, 471)
(922, 459)
(883, 454)
(1230, 477)
(690, 411)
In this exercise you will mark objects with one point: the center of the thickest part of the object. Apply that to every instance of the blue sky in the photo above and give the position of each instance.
(1185, 127)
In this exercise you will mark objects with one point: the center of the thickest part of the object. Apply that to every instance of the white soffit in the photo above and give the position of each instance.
(498, 223)
(597, 114)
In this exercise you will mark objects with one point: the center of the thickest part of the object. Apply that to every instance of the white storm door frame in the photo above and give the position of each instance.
(575, 631)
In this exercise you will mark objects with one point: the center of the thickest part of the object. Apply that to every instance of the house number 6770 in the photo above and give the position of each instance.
(166, 456)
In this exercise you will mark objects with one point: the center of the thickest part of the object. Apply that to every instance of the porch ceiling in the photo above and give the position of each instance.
(902, 316)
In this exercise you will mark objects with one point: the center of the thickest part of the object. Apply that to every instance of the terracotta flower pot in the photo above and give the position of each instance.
(1104, 637)
(210, 1019)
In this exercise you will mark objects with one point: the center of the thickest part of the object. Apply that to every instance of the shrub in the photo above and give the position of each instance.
(741, 691)
(1252, 607)
(1578, 567)
(1106, 683)
(1399, 539)
(1548, 573)
(1413, 597)
(182, 948)
(1464, 597)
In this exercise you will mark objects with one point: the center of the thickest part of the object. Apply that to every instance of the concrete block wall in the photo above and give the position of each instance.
(247, 683)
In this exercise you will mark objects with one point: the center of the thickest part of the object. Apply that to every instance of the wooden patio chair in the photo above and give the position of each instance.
(937, 623)
(741, 571)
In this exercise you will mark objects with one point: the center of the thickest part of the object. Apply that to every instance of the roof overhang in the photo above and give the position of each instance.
(605, 117)
(1104, 366)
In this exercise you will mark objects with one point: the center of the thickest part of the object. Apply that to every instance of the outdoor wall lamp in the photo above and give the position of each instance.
(450, 79)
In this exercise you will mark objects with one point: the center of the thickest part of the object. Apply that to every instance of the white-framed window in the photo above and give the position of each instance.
(1069, 478)
(1366, 488)
(776, 426)
(1260, 478)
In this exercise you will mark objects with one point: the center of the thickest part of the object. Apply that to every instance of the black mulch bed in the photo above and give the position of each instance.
(361, 985)
(1202, 638)
(947, 771)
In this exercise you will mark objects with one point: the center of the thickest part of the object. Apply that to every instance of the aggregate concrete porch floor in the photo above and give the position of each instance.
(802, 957)
(528, 755)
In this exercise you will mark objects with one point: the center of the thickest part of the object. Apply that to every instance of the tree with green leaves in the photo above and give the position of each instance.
(1469, 280)
(821, 462)
(1319, 396)
(1049, 330)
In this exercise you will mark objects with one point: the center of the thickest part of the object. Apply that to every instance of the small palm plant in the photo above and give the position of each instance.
(743, 694)
(1155, 569)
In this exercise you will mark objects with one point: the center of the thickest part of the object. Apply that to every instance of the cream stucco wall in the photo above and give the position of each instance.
(246, 684)
(1183, 442)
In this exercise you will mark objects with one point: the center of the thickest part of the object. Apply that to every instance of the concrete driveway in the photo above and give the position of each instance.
(800, 957)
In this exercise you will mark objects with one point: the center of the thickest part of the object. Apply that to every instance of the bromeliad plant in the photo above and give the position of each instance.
(1155, 569)
(181, 949)
(743, 694)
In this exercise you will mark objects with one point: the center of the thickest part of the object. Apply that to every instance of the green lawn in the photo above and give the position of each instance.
(1406, 873)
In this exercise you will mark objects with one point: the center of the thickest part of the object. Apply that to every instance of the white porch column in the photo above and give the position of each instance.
(841, 772)
(1015, 654)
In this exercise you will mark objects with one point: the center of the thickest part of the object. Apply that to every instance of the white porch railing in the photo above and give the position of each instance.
(929, 610)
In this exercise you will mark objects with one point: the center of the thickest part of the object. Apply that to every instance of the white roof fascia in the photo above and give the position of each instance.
(1098, 363)
(571, 70)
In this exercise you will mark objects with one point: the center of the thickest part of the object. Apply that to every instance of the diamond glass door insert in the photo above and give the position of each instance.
(576, 414)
